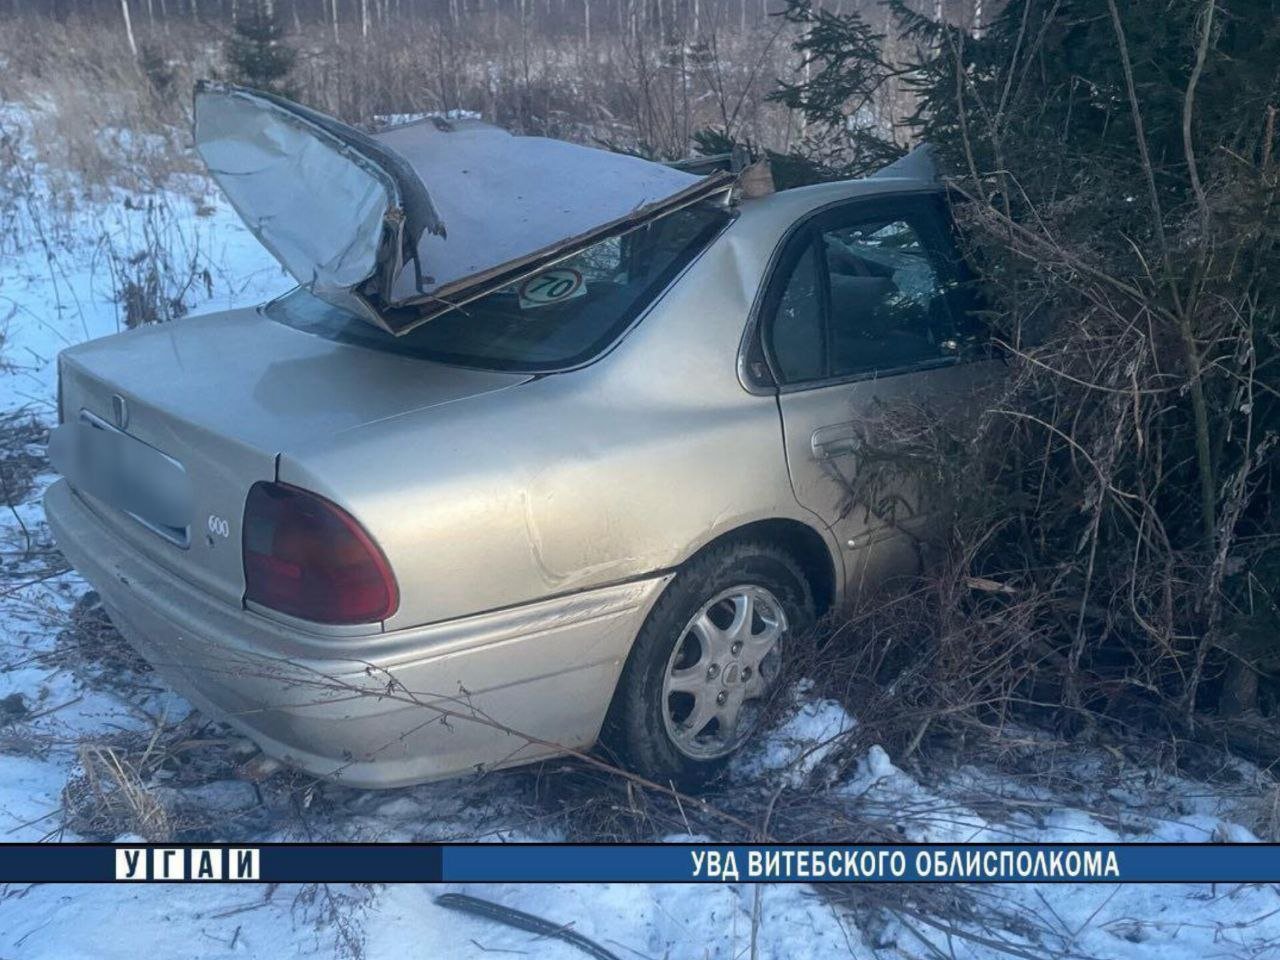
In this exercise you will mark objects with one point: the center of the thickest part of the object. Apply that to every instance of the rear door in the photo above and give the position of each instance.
(864, 317)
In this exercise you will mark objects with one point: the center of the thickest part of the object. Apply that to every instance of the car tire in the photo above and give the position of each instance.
(677, 669)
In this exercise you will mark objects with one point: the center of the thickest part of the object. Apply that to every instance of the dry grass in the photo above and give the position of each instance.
(22, 441)
(167, 783)
(110, 798)
(103, 119)
(93, 648)
(1266, 820)
(97, 118)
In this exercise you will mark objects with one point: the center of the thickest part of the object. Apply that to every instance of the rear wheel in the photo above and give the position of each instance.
(705, 661)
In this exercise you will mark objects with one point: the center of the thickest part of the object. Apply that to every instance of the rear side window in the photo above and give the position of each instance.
(799, 346)
(562, 316)
(860, 293)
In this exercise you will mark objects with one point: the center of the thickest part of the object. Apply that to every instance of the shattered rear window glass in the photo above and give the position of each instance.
(560, 317)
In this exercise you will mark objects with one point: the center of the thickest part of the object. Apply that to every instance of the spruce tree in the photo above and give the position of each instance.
(1121, 168)
(257, 52)
(1115, 169)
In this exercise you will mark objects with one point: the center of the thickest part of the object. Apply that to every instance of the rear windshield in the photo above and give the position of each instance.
(563, 316)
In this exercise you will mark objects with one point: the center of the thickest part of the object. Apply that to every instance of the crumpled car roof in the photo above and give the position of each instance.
(408, 223)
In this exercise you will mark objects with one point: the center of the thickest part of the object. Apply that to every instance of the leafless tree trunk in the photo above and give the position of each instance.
(333, 5)
(364, 19)
(128, 28)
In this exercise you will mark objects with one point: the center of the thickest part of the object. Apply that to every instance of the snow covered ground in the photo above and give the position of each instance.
(74, 702)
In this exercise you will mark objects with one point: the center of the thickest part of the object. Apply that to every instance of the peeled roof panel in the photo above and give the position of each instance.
(407, 223)
(317, 208)
(503, 198)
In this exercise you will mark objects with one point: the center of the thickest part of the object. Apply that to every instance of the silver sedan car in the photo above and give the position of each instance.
(548, 445)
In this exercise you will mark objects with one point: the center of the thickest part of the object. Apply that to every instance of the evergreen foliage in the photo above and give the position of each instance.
(257, 52)
(841, 79)
(1116, 163)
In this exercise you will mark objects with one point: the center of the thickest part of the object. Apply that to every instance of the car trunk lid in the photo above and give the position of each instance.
(222, 396)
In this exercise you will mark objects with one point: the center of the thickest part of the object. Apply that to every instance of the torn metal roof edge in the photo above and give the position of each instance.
(430, 306)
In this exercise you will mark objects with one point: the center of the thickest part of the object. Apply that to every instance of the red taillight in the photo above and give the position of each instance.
(307, 557)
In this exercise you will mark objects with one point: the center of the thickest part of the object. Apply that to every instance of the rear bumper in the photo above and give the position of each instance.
(379, 710)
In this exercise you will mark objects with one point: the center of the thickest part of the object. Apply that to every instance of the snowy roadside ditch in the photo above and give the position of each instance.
(94, 747)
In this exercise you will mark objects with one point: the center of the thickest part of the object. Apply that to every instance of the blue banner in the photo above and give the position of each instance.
(641, 863)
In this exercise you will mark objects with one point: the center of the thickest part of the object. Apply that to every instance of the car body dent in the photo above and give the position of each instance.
(560, 503)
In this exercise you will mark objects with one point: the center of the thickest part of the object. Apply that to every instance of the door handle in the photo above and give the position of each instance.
(837, 440)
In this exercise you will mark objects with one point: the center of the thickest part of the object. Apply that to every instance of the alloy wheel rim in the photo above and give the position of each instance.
(725, 661)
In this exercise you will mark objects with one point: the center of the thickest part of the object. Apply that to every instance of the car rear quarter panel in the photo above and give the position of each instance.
(610, 472)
